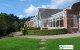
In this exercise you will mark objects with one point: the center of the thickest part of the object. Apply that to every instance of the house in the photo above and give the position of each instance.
(68, 18)
(44, 15)
(32, 22)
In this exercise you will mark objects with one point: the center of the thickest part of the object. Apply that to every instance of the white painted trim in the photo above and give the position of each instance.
(74, 27)
(54, 27)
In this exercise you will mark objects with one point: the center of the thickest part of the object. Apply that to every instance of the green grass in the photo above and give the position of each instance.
(15, 43)
(53, 44)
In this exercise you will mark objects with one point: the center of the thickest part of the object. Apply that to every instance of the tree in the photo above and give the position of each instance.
(7, 22)
(22, 21)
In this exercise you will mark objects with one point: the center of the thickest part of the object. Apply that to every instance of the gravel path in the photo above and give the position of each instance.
(16, 33)
(52, 36)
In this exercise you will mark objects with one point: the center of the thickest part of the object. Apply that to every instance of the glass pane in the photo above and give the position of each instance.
(53, 23)
(61, 23)
(57, 18)
(49, 24)
(53, 18)
(57, 23)
(75, 21)
(61, 17)
(45, 24)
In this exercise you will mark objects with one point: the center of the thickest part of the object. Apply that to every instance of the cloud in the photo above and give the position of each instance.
(57, 3)
(22, 0)
(32, 10)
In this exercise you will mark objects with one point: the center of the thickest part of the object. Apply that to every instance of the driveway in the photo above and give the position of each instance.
(52, 36)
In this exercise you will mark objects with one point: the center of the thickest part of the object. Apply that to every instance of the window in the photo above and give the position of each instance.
(74, 21)
(61, 17)
(57, 23)
(57, 20)
(61, 23)
(45, 24)
(49, 24)
(53, 23)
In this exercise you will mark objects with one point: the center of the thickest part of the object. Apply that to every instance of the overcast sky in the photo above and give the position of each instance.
(25, 8)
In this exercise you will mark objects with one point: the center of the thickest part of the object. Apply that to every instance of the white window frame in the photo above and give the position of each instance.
(76, 22)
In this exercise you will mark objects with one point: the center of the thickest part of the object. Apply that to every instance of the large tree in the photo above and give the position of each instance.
(8, 22)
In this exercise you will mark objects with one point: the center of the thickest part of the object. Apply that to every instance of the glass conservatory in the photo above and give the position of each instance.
(56, 20)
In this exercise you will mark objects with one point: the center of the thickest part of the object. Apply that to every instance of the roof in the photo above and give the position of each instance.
(46, 13)
(69, 8)
(75, 6)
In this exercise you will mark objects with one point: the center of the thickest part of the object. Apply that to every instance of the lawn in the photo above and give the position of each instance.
(15, 43)
(53, 44)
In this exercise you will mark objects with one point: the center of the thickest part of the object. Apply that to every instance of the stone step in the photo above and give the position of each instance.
(43, 40)
(42, 48)
(42, 43)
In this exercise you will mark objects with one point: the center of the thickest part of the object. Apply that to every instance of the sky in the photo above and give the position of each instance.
(25, 8)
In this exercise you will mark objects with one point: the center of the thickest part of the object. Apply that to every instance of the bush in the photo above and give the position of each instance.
(45, 32)
(24, 32)
(1, 32)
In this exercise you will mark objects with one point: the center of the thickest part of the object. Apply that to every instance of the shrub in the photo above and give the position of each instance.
(45, 32)
(1, 32)
(24, 32)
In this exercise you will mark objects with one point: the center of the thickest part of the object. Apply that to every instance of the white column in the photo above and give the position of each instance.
(59, 21)
(52, 22)
(55, 22)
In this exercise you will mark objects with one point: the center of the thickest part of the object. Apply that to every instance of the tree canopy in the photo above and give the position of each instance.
(8, 21)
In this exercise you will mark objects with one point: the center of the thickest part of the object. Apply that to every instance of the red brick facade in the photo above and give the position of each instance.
(75, 10)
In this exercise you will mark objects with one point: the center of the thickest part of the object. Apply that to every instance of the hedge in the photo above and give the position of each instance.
(45, 32)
